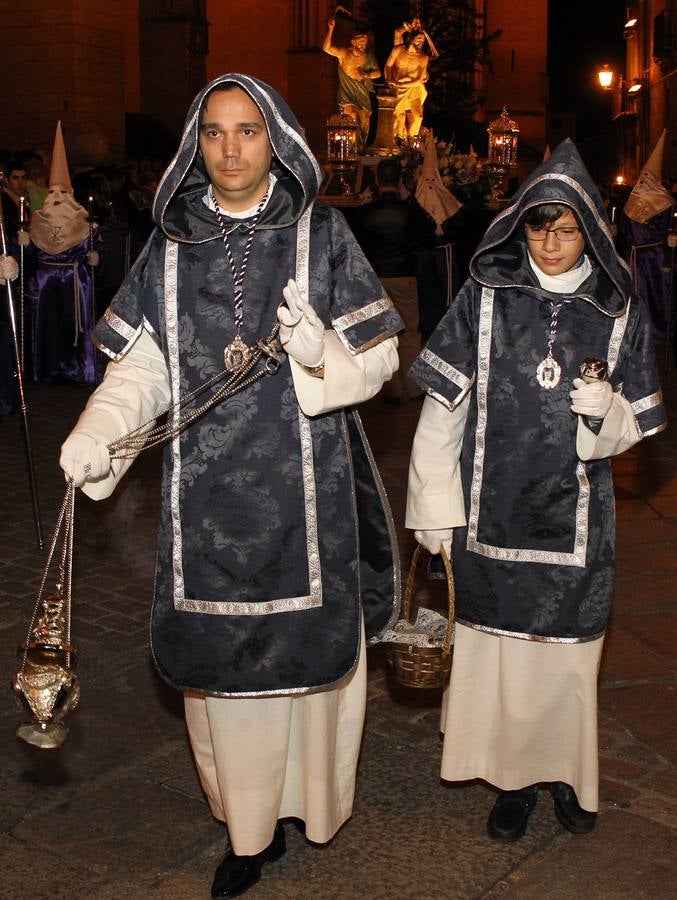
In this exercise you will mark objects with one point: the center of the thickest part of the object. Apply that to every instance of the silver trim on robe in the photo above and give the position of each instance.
(453, 374)
(513, 554)
(235, 607)
(640, 406)
(349, 320)
(538, 638)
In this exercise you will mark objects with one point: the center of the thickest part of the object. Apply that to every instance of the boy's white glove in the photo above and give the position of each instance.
(301, 331)
(433, 539)
(591, 399)
(9, 270)
(84, 459)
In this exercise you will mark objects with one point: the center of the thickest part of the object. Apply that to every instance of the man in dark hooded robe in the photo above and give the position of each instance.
(275, 544)
(511, 459)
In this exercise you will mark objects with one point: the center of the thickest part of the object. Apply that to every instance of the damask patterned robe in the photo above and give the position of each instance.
(275, 537)
(535, 559)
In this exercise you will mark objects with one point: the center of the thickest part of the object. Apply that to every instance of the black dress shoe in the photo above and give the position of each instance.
(509, 817)
(568, 810)
(236, 874)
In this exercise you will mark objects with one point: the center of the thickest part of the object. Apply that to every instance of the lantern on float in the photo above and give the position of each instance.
(343, 135)
(502, 156)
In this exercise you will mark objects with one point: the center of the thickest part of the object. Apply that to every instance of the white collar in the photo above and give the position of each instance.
(245, 213)
(566, 282)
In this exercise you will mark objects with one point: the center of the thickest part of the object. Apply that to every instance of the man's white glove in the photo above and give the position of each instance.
(301, 331)
(9, 270)
(591, 399)
(433, 539)
(84, 459)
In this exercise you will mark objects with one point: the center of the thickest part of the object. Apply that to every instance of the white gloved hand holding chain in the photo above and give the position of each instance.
(301, 331)
(591, 399)
(84, 459)
(9, 269)
(433, 539)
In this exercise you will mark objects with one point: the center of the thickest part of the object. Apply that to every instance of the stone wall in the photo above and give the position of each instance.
(75, 62)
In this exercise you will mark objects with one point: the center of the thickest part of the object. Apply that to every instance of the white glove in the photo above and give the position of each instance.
(591, 399)
(8, 269)
(433, 539)
(84, 459)
(301, 331)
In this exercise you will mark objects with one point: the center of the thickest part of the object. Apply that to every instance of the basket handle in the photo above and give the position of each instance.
(451, 591)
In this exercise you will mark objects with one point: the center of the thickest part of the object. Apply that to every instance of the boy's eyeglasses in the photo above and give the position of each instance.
(565, 233)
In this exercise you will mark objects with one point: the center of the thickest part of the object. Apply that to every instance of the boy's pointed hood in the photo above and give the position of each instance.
(501, 258)
(178, 208)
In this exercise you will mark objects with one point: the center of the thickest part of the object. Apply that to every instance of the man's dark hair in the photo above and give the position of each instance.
(547, 213)
(389, 173)
(14, 165)
(222, 88)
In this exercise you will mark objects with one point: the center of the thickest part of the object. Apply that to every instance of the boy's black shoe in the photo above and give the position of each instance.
(509, 817)
(236, 874)
(568, 810)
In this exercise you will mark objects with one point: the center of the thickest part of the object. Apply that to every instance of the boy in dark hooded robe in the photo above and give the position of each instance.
(275, 540)
(512, 459)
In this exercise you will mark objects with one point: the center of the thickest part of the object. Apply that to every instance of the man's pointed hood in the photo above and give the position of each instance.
(648, 197)
(501, 258)
(58, 173)
(61, 223)
(178, 208)
(431, 192)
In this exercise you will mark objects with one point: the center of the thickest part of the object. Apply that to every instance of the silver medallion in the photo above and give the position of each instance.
(236, 354)
(548, 372)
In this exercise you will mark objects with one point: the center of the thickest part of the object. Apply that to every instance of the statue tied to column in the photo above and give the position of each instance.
(406, 70)
(357, 70)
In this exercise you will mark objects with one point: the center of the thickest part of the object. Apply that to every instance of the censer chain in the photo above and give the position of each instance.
(144, 437)
(134, 440)
(65, 518)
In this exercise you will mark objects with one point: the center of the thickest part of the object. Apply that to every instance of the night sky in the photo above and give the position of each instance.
(583, 35)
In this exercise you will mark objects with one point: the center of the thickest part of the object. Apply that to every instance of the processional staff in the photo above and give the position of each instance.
(20, 381)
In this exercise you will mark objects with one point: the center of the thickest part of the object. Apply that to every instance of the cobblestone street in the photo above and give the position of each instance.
(118, 810)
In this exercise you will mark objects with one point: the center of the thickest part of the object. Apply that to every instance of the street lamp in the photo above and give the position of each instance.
(629, 103)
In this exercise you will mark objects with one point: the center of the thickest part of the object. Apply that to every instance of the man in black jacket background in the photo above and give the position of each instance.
(391, 231)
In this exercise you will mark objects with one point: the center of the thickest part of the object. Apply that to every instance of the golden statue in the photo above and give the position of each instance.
(406, 70)
(357, 70)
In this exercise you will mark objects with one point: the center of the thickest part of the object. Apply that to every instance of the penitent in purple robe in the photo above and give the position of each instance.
(61, 293)
(649, 265)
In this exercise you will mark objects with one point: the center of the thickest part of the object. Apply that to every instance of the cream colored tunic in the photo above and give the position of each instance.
(519, 712)
(268, 758)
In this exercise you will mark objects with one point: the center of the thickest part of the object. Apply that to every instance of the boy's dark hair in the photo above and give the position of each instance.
(546, 214)
(389, 173)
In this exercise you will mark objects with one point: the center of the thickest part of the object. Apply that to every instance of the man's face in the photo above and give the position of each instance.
(554, 256)
(15, 182)
(419, 41)
(359, 42)
(235, 149)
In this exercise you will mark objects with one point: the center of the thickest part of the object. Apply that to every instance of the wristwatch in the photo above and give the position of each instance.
(315, 371)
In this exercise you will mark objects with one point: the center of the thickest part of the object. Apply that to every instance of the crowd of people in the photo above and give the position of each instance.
(536, 375)
(74, 239)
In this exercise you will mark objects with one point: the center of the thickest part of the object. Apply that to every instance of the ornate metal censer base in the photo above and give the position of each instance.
(46, 682)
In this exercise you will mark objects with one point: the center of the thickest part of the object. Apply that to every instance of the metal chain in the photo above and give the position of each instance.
(67, 514)
(139, 438)
(238, 279)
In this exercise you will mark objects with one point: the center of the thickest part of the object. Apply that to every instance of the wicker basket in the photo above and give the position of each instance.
(422, 667)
